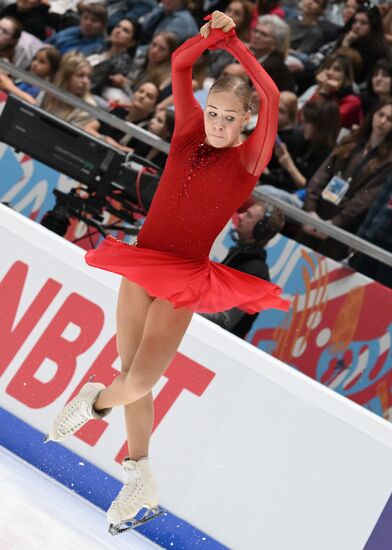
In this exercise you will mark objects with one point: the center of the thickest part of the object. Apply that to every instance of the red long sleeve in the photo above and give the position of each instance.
(257, 151)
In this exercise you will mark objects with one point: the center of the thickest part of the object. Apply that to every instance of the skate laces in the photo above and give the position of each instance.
(129, 493)
(74, 418)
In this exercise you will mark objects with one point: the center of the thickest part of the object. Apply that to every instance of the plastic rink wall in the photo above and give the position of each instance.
(249, 453)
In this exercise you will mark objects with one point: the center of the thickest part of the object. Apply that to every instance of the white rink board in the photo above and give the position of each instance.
(264, 459)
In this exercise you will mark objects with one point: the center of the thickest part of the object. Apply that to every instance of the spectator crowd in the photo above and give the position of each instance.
(330, 59)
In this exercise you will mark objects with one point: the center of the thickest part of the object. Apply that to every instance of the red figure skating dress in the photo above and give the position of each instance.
(200, 188)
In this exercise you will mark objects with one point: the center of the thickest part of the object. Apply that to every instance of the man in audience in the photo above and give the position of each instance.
(256, 226)
(171, 16)
(88, 36)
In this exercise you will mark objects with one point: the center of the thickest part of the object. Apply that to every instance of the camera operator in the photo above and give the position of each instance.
(256, 226)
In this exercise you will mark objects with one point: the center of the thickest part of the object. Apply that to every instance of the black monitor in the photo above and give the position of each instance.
(60, 145)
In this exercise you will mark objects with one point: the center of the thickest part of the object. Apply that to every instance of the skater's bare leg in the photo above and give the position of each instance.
(163, 331)
(132, 307)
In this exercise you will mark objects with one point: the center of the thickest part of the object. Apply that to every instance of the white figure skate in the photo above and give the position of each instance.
(139, 491)
(77, 412)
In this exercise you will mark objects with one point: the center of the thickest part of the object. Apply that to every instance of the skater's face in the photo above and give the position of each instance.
(224, 118)
(247, 220)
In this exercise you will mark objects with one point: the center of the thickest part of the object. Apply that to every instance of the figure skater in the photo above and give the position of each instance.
(167, 274)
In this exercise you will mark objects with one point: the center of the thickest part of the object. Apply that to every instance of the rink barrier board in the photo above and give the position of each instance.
(312, 337)
(211, 414)
(93, 484)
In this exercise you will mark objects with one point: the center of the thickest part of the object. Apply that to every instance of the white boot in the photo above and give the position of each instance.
(77, 412)
(139, 491)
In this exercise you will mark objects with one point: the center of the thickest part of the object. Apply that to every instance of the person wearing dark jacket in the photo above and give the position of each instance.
(256, 226)
(377, 229)
(34, 16)
(347, 183)
(269, 42)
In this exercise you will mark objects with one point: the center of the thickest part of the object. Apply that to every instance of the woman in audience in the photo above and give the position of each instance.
(345, 186)
(44, 65)
(73, 76)
(363, 33)
(115, 58)
(379, 85)
(162, 125)
(288, 131)
(10, 32)
(138, 111)
(150, 63)
(241, 13)
(270, 40)
(335, 80)
(320, 129)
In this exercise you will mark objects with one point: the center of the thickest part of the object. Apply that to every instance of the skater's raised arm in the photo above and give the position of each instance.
(259, 146)
(182, 62)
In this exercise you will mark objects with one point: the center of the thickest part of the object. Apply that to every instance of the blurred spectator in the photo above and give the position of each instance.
(138, 110)
(256, 226)
(377, 229)
(363, 33)
(335, 80)
(10, 33)
(88, 36)
(127, 9)
(269, 42)
(339, 12)
(379, 85)
(366, 35)
(115, 58)
(34, 16)
(162, 125)
(386, 10)
(320, 129)
(270, 7)
(345, 186)
(288, 131)
(73, 76)
(306, 35)
(150, 63)
(44, 65)
(170, 16)
(241, 13)
(16, 45)
(235, 69)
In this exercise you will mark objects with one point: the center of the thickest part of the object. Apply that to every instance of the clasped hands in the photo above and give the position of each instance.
(218, 20)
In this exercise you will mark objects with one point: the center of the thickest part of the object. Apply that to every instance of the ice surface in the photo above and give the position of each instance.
(38, 513)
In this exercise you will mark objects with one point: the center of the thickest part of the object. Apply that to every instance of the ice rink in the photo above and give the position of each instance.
(39, 513)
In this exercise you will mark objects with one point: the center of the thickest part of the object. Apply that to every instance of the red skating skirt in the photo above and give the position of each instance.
(199, 284)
